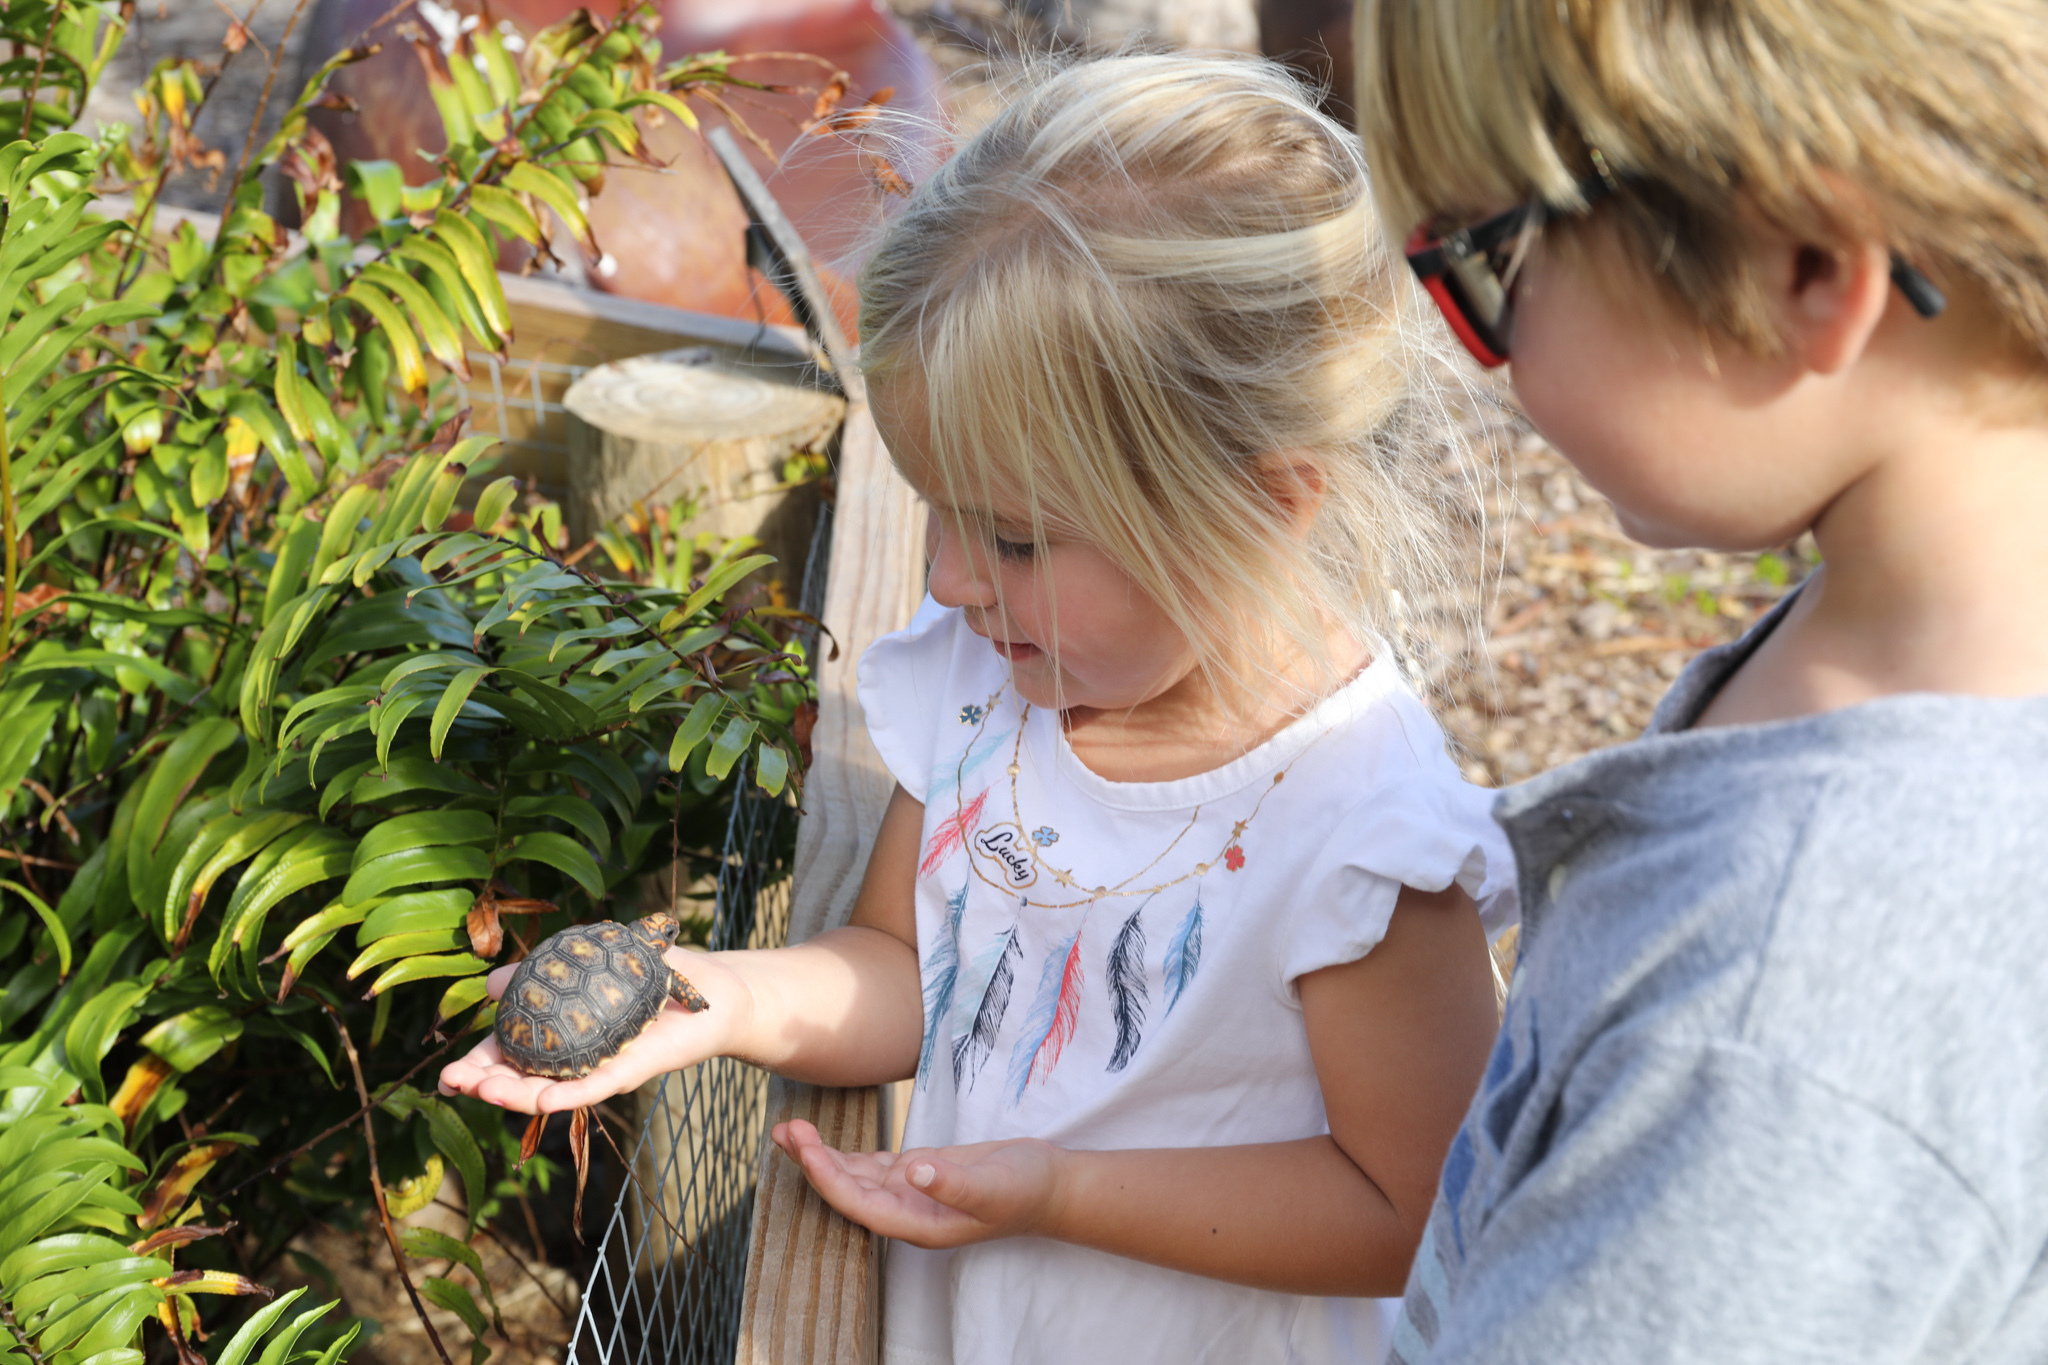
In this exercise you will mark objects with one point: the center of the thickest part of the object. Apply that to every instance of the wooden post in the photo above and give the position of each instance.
(691, 422)
(812, 1289)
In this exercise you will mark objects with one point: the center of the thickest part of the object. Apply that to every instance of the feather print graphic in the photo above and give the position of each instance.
(1183, 955)
(946, 776)
(974, 1036)
(951, 834)
(1050, 1025)
(1127, 988)
(941, 974)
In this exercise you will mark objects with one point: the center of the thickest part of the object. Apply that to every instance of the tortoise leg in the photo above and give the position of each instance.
(683, 993)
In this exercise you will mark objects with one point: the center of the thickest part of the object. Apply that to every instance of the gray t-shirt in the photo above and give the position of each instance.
(1772, 1083)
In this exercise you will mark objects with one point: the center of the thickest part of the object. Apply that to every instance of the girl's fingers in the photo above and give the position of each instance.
(942, 1181)
(508, 1089)
(1002, 1187)
(855, 1184)
(485, 1075)
(867, 1170)
(624, 1072)
(870, 1189)
(790, 1136)
(673, 1041)
(461, 1077)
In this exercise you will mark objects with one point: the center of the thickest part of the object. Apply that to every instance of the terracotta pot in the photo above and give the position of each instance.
(674, 236)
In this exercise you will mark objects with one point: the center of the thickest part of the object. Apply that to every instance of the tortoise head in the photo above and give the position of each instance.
(659, 928)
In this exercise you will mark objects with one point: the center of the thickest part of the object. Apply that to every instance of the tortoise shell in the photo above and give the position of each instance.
(586, 992)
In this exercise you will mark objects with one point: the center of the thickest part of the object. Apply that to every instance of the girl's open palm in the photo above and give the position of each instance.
(675, 1039)
(933, 1197)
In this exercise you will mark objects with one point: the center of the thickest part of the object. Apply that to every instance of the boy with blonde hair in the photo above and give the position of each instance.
(1773, 1079)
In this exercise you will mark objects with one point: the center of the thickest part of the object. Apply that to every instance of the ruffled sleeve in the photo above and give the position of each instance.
(912, 682)
(1428, 829)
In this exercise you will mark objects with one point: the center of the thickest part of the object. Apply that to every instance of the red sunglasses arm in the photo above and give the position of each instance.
(1427, 259)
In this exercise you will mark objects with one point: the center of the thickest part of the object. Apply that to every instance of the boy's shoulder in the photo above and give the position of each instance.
(1772, 1055)
(1857, 899)
(1860, 821)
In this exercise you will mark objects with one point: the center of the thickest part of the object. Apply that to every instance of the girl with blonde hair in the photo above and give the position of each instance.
(1178, 914)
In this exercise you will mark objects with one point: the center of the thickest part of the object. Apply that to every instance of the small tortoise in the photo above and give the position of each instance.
(586, 992)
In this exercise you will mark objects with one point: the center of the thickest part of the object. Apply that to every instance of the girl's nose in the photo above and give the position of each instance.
(956, 577)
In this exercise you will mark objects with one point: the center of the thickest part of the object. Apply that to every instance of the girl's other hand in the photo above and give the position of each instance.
(934, 1197)
(676, 1039)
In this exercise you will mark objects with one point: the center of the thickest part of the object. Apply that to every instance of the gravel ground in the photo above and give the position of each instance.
(1584, 628)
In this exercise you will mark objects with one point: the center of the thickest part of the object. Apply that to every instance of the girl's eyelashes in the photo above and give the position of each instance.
(1015, 550)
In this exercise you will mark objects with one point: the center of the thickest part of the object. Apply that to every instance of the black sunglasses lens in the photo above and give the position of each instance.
(1479, 283)
(1483, 327)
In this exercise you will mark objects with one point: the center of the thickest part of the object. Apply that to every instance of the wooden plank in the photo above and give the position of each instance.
(605, 327)
(812, 1287)
(592, 327)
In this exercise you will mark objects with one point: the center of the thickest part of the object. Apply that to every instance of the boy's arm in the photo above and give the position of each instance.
(844, 1008)
(1399, 1038)
(1706, 1202)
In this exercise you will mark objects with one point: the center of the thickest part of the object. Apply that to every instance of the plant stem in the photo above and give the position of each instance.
(35, 84)
(30, 861)
(145, 208)
(26, 863)
(20, 1337)
(377, 1181)
(513, 1256)
(8, 531)
(256, 120)
(368, 1105)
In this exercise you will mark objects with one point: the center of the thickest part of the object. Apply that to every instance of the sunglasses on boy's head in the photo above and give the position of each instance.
(1471, 273)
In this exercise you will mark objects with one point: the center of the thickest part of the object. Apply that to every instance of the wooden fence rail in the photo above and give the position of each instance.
(812, 1289)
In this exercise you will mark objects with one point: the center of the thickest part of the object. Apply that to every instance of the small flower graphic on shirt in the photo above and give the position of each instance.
(971, 714)
(1045, 836)
(1233, 857)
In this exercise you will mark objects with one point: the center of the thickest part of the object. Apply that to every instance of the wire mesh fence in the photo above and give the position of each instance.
(521, 400)
(667, 1282)
(671, 1266)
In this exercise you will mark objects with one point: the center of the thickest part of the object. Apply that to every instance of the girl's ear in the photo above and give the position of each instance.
(1297, 482)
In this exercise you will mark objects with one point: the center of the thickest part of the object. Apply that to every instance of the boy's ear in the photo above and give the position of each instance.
(1828, 298)
(1296, 482)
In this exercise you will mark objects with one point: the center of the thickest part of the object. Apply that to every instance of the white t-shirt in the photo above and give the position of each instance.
(1113, 964)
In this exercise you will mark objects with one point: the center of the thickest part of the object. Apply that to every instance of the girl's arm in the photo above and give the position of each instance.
(845, 1008)
(1399, 1038)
